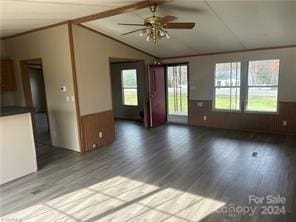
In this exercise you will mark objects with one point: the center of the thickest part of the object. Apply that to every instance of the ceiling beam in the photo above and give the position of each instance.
(118, 11)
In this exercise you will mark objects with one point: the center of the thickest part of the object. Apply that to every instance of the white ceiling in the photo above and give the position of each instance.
(22, 15)
(221, 25)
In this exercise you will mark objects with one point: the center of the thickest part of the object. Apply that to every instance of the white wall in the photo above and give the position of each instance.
(92, 53)
(201, 71)
(17, 149)
(52, 46)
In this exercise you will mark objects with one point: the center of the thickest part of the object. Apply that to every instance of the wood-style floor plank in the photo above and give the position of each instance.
(168, 173)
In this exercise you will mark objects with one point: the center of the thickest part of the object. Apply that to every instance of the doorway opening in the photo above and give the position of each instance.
(35, 96)
(128, 90)
(177, 92)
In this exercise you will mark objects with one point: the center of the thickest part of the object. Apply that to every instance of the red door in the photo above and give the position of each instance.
(157, 95)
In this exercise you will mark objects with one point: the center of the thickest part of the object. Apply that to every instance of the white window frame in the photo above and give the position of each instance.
(247, 90)
(226, 87)
(123, 88)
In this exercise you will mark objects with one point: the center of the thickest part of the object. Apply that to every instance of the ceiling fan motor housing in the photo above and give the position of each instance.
(152, 20)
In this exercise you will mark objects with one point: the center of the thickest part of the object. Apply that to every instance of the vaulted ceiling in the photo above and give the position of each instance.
(22, 15)
(221, 25)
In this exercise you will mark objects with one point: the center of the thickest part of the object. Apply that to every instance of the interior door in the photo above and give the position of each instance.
(157, 95)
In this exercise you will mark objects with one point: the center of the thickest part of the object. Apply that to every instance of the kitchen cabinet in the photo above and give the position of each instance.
(7, 79)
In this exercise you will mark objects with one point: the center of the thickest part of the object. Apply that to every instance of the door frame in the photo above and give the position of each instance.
(28, 93)
(188, 85)
(144, 77)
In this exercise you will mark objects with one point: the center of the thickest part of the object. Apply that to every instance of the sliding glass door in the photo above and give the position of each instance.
(177, 91)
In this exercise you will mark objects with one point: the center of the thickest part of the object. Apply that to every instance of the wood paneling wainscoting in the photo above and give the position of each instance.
(257, 122)
(92, 125)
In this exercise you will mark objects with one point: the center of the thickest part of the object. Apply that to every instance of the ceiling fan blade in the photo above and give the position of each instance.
(167, 19)
(133, 31)
(180, 25)
(131, 24)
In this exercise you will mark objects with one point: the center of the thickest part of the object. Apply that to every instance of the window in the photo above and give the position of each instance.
(227, 86)
(177, 89)
(129, 87)
(263, 77)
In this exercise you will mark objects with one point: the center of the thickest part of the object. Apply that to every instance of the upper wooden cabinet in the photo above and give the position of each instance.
(7, 79)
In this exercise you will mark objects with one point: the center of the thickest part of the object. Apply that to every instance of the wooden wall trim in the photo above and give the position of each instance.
(95, 123)
(228, 52)
(107, 36)
(83, 26)
(74, 75)
(254, 122)
(35, 30)
(120, 10)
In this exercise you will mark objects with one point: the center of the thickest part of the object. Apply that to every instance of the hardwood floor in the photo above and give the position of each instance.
(168, 173)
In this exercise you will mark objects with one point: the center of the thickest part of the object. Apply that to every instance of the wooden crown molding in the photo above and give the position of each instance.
(228, 52)
(100, 33)
(105, 14)
(35, 30)
(83, 26)
(129, 8)
(120, 10)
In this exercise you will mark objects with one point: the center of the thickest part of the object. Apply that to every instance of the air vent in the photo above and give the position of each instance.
(36, 192)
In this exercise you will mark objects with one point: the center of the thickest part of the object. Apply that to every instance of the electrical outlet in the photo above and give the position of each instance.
(100, 134)
(285, 123)
(200, 104)
(204, 118)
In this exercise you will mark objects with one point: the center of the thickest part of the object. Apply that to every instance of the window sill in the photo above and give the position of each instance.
(226, 111)
(244, 112)
(130, 105)
(262, 112)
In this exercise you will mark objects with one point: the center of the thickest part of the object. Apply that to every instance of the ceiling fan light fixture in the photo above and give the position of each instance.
(162, 33)
(155, 27)
(141, 34)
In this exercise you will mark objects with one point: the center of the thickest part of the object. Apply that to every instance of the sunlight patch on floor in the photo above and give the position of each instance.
(121, 199)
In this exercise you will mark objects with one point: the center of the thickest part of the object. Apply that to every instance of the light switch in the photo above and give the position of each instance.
(68, 99)
(72, 98)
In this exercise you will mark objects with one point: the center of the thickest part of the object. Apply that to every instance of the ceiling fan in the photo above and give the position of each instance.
(156, 27)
